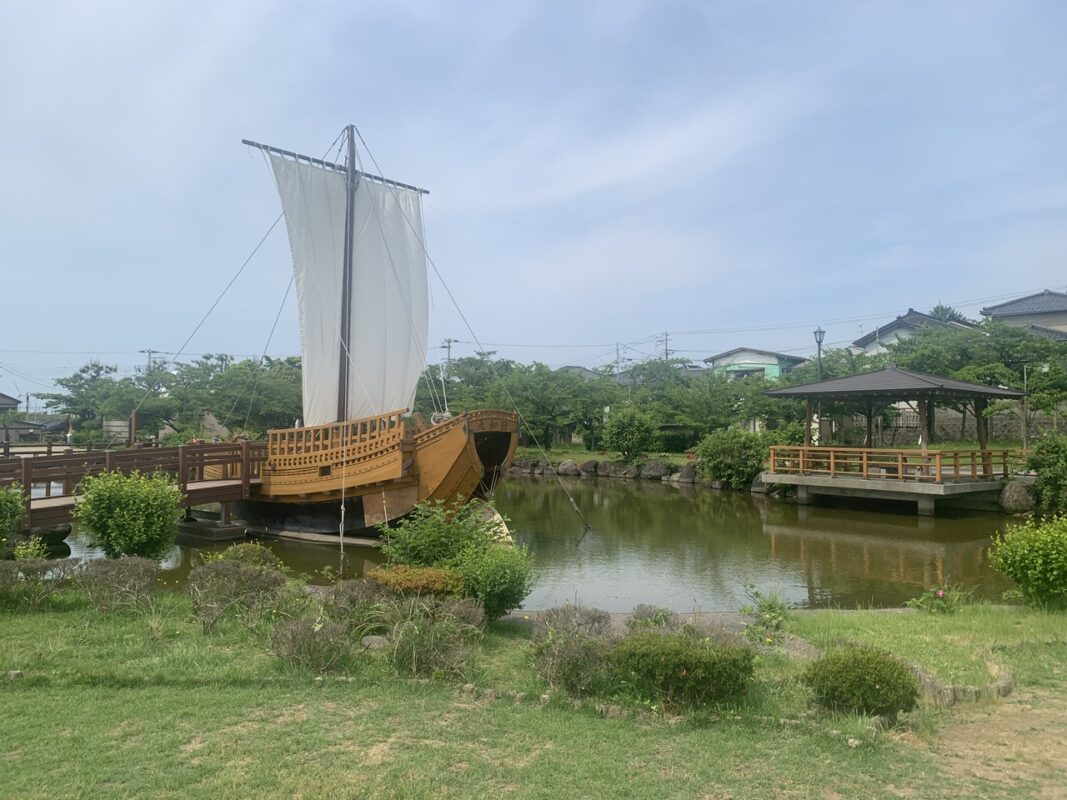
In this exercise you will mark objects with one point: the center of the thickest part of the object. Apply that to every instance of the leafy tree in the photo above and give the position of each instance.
(949, 314)
(629, 431)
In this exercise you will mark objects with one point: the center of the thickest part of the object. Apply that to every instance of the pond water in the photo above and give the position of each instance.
(693, 549)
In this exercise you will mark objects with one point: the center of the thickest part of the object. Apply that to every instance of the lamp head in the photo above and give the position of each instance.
(819, 335)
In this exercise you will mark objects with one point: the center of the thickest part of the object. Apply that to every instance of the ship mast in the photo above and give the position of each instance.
(346, 276)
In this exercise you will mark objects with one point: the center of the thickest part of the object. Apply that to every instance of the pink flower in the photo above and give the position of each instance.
(940, 593)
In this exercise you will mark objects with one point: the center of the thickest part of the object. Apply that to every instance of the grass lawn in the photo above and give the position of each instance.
(561, 452)
(117, 706)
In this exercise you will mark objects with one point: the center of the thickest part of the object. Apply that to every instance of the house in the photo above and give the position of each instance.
(1042, 312)
(878, 340)
(8, 403)
(20, 431)
(745, 362)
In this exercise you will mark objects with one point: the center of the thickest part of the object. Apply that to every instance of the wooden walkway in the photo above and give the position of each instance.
(205, 473)
(902, 474)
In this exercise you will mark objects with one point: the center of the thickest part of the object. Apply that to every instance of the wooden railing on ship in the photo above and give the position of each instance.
(936, 466)
(296, 447)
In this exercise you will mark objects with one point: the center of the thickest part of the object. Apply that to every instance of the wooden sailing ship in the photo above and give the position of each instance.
(360, 459)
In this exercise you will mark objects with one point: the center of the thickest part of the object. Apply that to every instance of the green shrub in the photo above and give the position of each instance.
(356, 604)
(407, 580)
(1034, 555)
(11, 508)
(312, 645)
(571, 619)
(426, 639)
(116, 583)
(30, 549)
(434, 533)
(680, 670)
(130, 515)
(31, 582)
(945, 599)
(499, 577)
(768, 612)
(251, 553)
(1048, 459)
(628, 431)
(234, 588)
(733, 456)
(574, 662)
(864, 680)
(644, 616)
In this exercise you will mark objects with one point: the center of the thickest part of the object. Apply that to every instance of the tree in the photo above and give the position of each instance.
(629, 431)
(949, 314)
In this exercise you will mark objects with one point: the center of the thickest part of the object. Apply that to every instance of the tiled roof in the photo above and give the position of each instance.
(1046, 302)
(893, 382)
(912, 320)
(779, 356)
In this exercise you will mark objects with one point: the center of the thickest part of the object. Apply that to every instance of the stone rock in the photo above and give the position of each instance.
(629, 471)
(758, 486)
(854, 743)
(568, 468)
(1017, 497)
(718, 485)
(608, 469)
(589, 468)
(539, 468)
(655, 471)
(375, 642)
(14, 674)
(522, 465)
(688, 473)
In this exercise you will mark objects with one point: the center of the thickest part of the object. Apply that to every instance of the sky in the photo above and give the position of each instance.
(732, 174)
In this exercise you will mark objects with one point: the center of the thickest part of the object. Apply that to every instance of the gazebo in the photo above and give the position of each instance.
(869, 390)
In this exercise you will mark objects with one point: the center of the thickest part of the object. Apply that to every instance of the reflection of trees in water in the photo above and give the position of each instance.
(717, 541)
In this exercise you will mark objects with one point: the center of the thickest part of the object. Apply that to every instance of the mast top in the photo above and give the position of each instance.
(318, 162)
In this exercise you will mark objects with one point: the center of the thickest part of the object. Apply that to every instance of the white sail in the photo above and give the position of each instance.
(389, 310)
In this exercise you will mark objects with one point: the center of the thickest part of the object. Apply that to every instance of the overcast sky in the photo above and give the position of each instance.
(733, 173)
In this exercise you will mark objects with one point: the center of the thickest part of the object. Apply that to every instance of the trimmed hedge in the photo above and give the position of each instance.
(1034, 555)
(862, 679)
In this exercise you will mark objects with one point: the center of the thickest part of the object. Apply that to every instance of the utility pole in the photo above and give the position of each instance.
(148, 364)
(666, 345)
(448, 356)
(618, 357)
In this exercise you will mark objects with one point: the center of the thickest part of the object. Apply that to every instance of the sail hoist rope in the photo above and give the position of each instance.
(470, 329)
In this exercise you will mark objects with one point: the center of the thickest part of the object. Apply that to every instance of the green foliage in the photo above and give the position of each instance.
(733, 456)
(236, 589)
(427, 639)
(114, 583)
(406, 580)
(435, 533)
(628, 431)
(130, 515)
(645, 616)
(499, 576)
(355, 603)
(769, 613)
(680, 670)
(251, 553)
(1034, 555)
(33, 581)
(311, 645)
(864, 680)
(571, 649)
(31, 549)
(1049, 460)
(11, 508)
(946, 599)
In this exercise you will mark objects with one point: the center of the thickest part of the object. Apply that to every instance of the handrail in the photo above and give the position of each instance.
(900, 464)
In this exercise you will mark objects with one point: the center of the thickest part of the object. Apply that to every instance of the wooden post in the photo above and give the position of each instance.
(982, 429)
(109, 460)
(869, 441)
(27, 491)
(183, 468)
(807, 423)
(923, 433)
(246, 467)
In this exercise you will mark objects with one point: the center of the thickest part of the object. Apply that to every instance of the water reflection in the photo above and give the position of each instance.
(692, 549)
(687, 549)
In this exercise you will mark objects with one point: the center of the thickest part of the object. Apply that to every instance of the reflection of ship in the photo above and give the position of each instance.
(360, 273)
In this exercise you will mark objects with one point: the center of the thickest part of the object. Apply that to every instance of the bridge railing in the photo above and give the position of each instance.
(934, 466)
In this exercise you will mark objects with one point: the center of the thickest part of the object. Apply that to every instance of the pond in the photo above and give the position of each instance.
(694, 549)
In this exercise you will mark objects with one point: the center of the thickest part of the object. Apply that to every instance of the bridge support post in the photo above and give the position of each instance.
(225, 513)
(803, 496)
(925, 504)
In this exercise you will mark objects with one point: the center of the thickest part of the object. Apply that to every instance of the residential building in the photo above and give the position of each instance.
(744, 362)
(8, 403)
(878, 340)
(1044, 313)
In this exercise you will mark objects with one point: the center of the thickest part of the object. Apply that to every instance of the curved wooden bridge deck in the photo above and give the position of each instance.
(205, 473)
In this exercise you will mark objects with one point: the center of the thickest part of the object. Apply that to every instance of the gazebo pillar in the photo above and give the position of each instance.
(807, 423)
(869, 413)
(981, 427)
(924, 433)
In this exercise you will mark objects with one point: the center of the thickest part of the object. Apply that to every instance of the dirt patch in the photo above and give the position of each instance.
(1019, 743)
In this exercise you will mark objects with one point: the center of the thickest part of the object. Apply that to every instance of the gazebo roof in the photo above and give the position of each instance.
(896, 384)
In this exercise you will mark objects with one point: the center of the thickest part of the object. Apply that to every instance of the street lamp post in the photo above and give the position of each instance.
(820, 334)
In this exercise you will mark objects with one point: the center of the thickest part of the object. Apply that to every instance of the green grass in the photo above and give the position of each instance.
(969, 647)
(561, 452)
(122, 706)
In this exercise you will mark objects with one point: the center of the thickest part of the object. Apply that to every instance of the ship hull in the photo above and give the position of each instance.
(382, 470)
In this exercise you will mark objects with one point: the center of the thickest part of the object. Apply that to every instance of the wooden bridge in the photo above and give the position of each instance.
(205, 473)
(922, 476)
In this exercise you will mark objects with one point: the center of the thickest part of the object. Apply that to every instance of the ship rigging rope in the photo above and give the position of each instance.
(470, 329)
